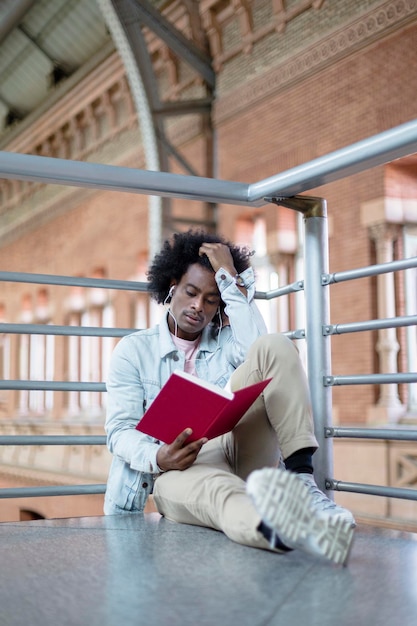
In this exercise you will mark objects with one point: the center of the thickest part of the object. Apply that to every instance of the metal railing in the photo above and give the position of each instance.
(281, 189)
(377, 379)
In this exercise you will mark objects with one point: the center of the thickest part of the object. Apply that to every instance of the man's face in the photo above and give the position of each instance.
(194, 303)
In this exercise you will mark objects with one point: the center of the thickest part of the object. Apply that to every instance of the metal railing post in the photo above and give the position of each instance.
(318, 346)
(317, 299)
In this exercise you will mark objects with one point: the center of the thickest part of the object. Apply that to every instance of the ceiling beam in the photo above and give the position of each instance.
(14, 16)
(174, 39)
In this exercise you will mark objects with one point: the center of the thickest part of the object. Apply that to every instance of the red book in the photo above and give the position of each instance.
(186, 401)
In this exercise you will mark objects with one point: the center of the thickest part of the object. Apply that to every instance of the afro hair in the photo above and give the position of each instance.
(177, 254)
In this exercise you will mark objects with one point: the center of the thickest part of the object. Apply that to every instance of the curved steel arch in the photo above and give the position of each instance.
(126, 19)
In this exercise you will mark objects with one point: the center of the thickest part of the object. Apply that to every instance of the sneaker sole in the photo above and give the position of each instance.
(284, 503)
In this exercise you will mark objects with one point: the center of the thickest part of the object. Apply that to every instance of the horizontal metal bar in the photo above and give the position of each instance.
(126, 285)
(390, 434)
(382, 148)
(48, 385)
(358, 157)
(372, 490)
(299, 333)
(100, 176)
(370, 379)
(53, 329)
(62, 490)
(52, 440)
(72, 281)
(183, 107)
(353, 327)
(282, 291)
(371, 270)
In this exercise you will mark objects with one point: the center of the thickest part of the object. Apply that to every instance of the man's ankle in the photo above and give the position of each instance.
(301, 461)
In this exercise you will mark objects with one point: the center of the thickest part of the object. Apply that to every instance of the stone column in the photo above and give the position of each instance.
(388, 407)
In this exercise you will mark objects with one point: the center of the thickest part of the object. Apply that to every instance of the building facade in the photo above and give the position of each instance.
(295, 80)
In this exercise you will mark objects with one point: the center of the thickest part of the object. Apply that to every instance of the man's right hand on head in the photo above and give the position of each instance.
(179, 455)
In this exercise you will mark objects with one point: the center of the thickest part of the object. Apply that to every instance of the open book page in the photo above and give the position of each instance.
(221, 391)
(189, 402)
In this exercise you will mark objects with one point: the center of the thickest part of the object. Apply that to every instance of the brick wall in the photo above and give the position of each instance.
(356, 98)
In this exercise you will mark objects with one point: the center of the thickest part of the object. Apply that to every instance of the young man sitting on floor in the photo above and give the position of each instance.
(255, 483)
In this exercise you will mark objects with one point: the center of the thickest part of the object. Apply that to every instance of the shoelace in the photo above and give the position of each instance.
(323, 502)
(319, 497)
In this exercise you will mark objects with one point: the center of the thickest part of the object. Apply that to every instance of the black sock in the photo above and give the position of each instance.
(273, 539)
(301, 461)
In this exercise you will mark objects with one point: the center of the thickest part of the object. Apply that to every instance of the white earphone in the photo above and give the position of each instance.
(169, 294)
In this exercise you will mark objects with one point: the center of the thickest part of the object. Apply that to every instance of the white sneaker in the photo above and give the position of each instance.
(286, 505)
(323, 503)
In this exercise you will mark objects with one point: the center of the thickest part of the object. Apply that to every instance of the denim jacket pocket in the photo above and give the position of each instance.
(151, 390)
(223, 377)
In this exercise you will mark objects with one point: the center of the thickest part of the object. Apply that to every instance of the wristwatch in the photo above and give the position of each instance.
(239, 280)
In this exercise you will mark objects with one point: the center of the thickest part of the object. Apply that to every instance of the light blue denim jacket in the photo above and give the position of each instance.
(142, 362)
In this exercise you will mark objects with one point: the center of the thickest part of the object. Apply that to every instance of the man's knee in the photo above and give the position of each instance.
(275, 343)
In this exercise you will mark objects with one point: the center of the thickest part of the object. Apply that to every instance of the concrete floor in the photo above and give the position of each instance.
(144, 570)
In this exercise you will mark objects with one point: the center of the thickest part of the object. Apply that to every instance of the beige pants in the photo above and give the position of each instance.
(212, 491)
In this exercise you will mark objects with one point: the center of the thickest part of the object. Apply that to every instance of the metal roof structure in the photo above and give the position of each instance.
(48, 46)
(43, 42)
